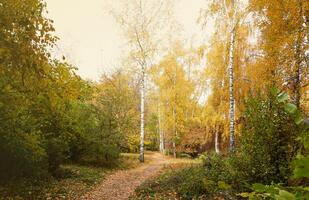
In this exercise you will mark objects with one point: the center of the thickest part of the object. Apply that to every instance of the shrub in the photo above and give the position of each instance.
(216, 177)
(298, 185)
(225, 169)
(268, 139)
(101, 154)
(22, 155)
(187, 183)
(57, 151)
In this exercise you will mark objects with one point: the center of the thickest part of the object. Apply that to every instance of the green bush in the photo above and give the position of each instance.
(48, 114)
(22, 155)
(216, 177)
(268, 139)
(297, 187)
(187, 183)
(228, 170)
(57, 151)
(101, 154)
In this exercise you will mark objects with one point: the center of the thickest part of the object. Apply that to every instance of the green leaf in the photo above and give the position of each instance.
(282, 97)
(301, 167)
(306, 189)
(285, 195)
(224, 186)
(274, 91)
(290, 108)
(259, 187)
(298, 117)
(298, 120)
(208, 183)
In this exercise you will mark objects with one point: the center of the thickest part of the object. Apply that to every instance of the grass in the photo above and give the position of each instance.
(75, 181)
(165, 186)
(189, 180)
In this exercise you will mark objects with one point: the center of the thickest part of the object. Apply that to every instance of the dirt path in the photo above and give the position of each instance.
(121, 184)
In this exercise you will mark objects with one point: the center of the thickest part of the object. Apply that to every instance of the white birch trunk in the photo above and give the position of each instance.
(175, 133)
(160, 132)
(217, 145)
(141, 156)
(231, 90)
(174, 114)
(298, 59)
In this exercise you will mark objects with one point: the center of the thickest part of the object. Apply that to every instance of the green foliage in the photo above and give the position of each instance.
(57, 150)
(151, 140)
(48, 114)
(268, 138)
(228, 172)
(276, 191)
(189, 183)
(22, 155)
(72, 182)
(300, 164)
(25, 36)
(215, 178)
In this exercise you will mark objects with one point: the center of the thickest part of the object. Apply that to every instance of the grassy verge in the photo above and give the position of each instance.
(73, 183)
(216, 177)
(171, 181)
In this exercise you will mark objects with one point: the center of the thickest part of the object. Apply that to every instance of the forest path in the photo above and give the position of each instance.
(121, 184)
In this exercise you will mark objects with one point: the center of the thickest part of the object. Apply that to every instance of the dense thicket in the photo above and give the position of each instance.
(48, 114)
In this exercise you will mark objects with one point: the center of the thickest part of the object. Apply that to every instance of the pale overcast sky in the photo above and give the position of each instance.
(92, 40)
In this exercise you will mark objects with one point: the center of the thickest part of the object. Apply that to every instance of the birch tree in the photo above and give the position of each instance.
(231, 13)
(143, 23)
(175, 92)
(283, 41)
(227, 16)
(161, 133)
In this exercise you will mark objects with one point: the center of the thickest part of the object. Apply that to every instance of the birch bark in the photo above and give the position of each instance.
(141, 156)
(231, 90)
(217, 145)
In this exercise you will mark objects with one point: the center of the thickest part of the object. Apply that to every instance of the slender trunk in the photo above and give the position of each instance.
(160, 132)
(141, 156)
(174, 149)
(175, 133)
(217, 145)
(231, 90)
(298, 61)
(174, 114)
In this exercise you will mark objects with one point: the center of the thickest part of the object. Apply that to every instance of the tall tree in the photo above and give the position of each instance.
(283, 43)
(175, 92)
(228, 15)
(142, 22)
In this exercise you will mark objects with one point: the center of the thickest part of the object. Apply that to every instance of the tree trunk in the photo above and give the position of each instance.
(174, 114)
(141, 156)
(175, 133)
(231, 90)
(217, 145)
(298, 60)
(161, 137)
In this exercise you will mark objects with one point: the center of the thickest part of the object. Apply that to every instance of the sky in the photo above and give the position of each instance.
(91, 39)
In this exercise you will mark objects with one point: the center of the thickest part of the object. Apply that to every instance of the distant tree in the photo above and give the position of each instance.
(142, 22)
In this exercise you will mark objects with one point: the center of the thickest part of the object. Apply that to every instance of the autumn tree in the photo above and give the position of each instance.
(283, 43)
(175, 91)
(143, 22)
(228, 17)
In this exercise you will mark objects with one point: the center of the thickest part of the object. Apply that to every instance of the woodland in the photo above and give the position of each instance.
(234, 110)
